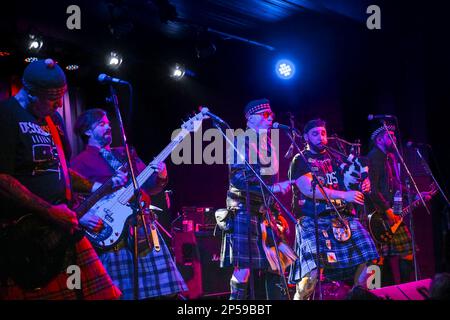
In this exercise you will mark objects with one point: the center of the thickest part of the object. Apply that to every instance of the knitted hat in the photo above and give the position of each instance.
(44, 77)
(255, 106)
(313, 124)
(377, 129)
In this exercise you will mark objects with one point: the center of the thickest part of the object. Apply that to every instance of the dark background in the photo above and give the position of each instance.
(344, 72)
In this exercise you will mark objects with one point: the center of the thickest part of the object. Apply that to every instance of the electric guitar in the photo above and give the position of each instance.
(381, 229)
(114, 209)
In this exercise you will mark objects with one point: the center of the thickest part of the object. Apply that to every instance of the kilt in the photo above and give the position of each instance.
(338, 259)
(157, 272)
(236, 247)
(95, 282)
(400, 245)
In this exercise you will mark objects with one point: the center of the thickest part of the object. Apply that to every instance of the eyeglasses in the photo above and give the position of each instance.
(267, 114)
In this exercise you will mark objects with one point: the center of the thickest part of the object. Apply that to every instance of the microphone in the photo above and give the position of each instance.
(105, 79)
(412, 144)
(277, 125)
(371, 117)
(215, 118)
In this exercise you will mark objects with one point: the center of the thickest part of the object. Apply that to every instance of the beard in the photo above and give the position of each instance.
(317, 148)
(105, 140)
(390, 148)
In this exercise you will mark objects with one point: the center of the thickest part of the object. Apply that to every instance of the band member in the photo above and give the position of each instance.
(243, 246)
(345, 246)
(385, 177)
(38, 236)
(158, 275)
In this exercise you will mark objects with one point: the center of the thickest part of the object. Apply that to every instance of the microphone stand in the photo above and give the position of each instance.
(409, 180)
(430, 173)
(138, 211)
(263, 186)
(314, 183)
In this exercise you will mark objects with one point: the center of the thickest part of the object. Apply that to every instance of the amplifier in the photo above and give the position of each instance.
(198, 218)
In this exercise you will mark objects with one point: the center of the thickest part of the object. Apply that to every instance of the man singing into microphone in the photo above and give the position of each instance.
(243, 246)
(158, 275)
(343, 254)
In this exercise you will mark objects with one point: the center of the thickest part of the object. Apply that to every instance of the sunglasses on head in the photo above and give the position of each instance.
(267, 114)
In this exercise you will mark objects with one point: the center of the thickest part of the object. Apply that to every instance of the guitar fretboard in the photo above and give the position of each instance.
(102, 191)
(148, 171)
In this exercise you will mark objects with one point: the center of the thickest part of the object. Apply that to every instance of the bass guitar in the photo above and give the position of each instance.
(115, 208)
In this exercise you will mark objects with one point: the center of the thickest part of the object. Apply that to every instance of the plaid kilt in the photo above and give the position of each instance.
(400, 245)
(158, 274)
(339, 259)
(236, 247)
(95, 282)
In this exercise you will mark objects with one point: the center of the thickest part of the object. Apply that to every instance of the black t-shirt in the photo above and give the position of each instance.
(28, 153)
(326, 167)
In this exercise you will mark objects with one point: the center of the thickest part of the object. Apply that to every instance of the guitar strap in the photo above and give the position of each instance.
(62, 156)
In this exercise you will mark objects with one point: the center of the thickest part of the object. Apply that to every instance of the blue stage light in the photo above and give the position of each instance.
(285, 69)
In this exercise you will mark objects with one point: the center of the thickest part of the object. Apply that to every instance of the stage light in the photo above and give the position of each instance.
(114, 60)
(30, 59)
(285, 69)
(178, 72)
(35, 43)
(72, 67)
(5, 53)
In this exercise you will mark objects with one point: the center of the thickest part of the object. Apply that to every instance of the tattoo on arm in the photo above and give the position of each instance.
(12, 190)
(80, 183)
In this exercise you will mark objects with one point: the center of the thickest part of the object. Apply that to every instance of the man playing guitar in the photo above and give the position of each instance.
(385, 177)
(158, 274)
(37, 228)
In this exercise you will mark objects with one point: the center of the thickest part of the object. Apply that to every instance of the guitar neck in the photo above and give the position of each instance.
(102, 191)
(128, 192)
(413, 205)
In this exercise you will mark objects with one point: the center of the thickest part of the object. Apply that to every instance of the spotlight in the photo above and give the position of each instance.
(114, 60)
(179, 71)
(31, 59)
(72, 67)
(285, 69)
(34, 43)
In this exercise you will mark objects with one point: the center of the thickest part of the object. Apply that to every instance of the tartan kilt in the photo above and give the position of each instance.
(158, 275)
(400, 245)
(339, 259)
(237, 246)
(95, 282)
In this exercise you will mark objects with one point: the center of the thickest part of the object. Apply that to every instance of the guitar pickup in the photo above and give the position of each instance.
(109, 218)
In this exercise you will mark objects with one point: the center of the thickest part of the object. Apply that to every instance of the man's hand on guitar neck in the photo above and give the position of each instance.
(63, 216)
(392, 217)
(425, 195)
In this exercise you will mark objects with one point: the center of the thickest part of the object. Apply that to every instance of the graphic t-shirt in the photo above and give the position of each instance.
(28, 153)
(326, 167)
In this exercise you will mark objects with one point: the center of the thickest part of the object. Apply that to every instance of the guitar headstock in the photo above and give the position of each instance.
(194, 122)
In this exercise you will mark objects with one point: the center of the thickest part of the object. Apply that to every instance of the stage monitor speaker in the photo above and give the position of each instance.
(197, 255)
(418, 290)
